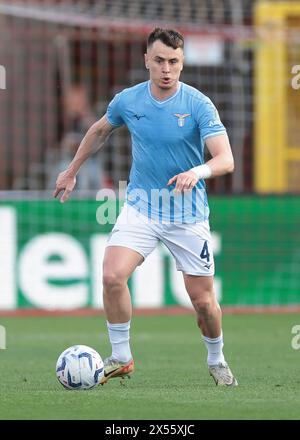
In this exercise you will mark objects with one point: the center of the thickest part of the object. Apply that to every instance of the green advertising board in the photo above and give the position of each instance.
(51, 255)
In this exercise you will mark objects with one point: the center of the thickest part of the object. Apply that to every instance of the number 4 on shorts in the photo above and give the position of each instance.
(204, 253)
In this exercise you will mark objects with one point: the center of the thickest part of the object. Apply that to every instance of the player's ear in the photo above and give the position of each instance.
(146, 61)
(182, 62)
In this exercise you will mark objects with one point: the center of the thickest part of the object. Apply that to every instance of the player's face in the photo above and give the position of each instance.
(165, 65)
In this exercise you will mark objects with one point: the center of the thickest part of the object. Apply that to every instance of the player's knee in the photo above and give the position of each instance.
(204, 305)
(113, 280)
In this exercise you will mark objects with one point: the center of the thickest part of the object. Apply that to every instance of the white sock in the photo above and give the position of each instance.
(119, 339)
(214, 348)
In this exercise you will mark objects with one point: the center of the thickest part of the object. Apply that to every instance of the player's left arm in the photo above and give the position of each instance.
(221, 163)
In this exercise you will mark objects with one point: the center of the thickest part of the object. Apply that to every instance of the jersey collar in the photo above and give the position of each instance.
(164, 100)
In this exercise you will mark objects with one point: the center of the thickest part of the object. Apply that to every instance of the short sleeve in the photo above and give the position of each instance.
(208, 119)
(113, 112)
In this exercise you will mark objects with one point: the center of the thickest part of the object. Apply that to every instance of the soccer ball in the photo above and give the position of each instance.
(79, 368)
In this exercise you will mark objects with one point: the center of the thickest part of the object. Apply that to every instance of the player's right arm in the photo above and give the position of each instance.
(94, 139)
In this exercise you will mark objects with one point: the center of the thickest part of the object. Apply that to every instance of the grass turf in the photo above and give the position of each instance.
(171, 381)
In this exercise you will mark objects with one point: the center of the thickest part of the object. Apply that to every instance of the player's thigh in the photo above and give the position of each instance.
(199, 288)
(119, 263)
(132, 239)
(134, 231)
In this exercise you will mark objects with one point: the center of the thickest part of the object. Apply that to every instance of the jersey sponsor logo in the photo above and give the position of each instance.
(138, 117)
(181, 118)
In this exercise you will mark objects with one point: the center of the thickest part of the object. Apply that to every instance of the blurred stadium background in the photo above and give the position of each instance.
(62, 62)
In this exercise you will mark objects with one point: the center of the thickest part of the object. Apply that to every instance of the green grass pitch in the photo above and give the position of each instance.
(171, 379)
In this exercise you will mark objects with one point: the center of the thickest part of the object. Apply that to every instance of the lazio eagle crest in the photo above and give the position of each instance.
(181, 118)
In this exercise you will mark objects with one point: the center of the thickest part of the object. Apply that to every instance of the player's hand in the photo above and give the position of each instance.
(64, 182)
(184, 181)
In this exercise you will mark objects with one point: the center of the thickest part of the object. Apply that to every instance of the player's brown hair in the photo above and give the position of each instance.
(169, 37)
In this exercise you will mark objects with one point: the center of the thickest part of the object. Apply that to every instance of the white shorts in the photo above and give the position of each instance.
(189, 243)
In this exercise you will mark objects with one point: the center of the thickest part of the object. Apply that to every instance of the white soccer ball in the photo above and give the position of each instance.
(79, 368)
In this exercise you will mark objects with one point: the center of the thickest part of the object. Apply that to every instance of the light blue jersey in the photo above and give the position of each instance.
(167, 139)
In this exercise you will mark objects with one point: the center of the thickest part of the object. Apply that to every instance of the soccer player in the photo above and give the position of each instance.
(169, 123)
